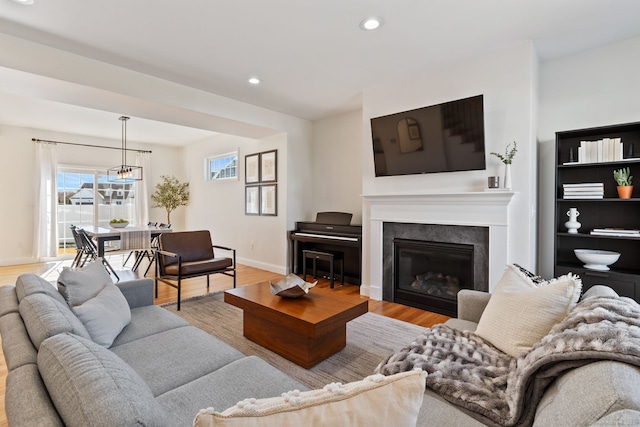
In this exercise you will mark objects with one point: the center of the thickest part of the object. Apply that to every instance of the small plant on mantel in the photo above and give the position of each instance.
(624, 178)
(507, 159)
(509, 153)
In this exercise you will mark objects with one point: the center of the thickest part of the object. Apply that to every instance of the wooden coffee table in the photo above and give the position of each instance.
(305, 330)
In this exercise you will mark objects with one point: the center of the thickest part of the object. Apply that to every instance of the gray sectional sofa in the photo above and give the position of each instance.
(159, 371)
(603, 393)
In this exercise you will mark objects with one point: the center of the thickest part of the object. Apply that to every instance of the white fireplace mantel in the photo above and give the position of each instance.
(475, 208)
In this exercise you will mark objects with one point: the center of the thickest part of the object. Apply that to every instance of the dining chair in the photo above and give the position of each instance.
(155, 245)
(81, 253)
(92, 251)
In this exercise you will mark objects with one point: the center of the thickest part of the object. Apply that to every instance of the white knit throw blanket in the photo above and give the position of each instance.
(500, 390)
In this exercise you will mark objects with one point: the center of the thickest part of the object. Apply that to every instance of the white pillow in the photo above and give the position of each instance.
(521, 311)
(104, 315)
(377, 400)
(78, 285)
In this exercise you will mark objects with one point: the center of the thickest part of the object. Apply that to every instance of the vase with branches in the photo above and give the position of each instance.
(507, 159)
(170, 194)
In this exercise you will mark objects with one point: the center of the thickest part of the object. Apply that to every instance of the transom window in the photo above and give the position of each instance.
(222, 167)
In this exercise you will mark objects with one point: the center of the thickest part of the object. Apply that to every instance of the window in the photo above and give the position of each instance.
(221, 167)
(85, 197)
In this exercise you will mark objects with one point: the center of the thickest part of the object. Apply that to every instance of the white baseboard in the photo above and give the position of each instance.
(263, 265)
(17, 261)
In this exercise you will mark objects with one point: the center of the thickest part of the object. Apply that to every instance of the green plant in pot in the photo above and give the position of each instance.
(170, 194)
(623, 177)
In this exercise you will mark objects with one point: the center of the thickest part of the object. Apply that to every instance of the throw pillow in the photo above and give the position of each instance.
(104, 315)
(522, 311)
(78, 285)
(394, 400)
(94, 387)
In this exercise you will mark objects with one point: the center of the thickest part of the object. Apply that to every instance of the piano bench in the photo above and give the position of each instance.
(330, 256)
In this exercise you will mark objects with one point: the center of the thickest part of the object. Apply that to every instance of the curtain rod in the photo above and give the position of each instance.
(87, 145)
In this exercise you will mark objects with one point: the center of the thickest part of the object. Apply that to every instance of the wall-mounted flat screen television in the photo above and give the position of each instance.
(446, 137)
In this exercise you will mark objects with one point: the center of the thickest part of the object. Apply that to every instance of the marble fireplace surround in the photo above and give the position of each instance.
(479, 208)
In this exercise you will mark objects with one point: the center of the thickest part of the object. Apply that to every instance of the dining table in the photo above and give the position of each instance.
(105, 234)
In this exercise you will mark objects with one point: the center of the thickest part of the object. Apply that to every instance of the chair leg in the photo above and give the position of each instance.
(342, 271)
(207, 283)
(179, 289)
(108, 266)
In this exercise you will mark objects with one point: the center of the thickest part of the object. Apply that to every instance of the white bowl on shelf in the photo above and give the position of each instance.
(595, 259)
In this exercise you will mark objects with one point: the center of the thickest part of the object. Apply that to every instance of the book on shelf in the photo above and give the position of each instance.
(616, 230)
(583, 190)
(602, 150)
(584, 184)
(597, 233)
(581, 196)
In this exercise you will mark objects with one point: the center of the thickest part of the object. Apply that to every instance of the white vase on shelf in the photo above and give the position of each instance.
(507, 176)
(573, 224)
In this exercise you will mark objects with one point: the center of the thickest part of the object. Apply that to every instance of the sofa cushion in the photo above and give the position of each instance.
(8, 300)
(77, 285)
(584, 395)
(28, 284)
(197, 267)
(377, 400)
(17, 347)
(147, 321)
(250, 376)
(176, 357)
(520, 311)
(91, 386)
(45, 317)
(27, 402)
(104, 315)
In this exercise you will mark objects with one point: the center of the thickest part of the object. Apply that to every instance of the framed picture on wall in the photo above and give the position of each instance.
(252, 168)
(252, 200)
(269, 166)
(269, 199)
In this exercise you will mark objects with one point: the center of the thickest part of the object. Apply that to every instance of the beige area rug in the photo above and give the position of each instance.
(370, 338)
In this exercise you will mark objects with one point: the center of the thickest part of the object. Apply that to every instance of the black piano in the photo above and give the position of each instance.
(331, 231)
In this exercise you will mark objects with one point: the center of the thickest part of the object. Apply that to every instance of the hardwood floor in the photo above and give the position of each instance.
(197, 286)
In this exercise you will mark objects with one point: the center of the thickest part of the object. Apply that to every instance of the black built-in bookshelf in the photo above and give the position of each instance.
(608, 212)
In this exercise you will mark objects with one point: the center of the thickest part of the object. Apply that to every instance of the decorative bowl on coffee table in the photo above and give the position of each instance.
(291, 286)
(595, 259)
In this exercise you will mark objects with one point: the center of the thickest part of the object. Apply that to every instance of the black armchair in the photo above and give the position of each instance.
(186, 254)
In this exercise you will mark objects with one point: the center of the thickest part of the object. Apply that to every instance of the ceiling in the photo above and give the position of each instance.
(313, 59)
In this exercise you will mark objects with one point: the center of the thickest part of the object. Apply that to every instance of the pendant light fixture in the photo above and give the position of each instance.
(124, 173)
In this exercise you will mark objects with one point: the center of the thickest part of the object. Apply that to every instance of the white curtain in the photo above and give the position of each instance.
(141, 199)
(46, 203)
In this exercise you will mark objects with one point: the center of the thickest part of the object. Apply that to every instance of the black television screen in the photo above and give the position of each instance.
(440, 138)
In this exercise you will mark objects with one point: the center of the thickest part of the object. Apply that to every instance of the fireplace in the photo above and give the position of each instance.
(428, 275)
(425, 265)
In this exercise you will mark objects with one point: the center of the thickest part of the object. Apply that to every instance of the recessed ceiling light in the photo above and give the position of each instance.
(371, 23)
(254, 80)
(25, 2)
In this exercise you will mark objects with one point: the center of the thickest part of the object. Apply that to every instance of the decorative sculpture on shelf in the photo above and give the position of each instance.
(573, 225)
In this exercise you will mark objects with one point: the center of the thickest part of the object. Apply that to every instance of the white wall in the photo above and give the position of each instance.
(508, 80)
(337, 166)
(598, 87)
(18, 176)
(260, 241)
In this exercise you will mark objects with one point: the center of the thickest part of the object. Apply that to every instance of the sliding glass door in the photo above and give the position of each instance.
(85, 197)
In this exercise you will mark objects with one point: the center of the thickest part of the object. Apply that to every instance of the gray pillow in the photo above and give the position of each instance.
(45, 317)
(78, 285)
(91, 386)
(104, 315)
